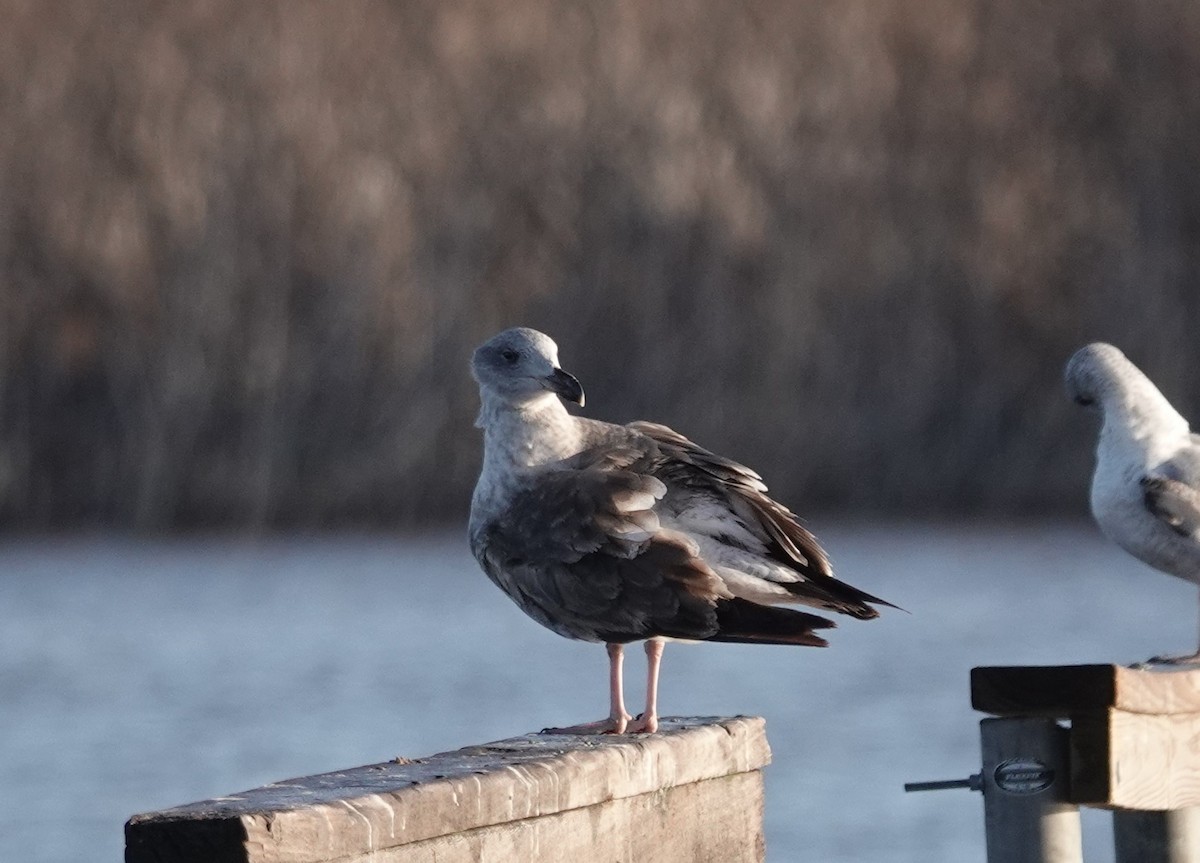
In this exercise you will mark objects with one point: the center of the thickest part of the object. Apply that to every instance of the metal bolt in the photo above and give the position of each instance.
(974, 782)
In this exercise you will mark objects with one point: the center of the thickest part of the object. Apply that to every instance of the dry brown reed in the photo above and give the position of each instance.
(245, 248)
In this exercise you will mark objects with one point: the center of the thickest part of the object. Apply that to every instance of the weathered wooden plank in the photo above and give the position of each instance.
(714, 821)
(1062, 690)
(378, 807)
(1135, 760)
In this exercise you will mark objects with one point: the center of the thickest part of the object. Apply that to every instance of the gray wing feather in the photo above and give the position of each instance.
(580, 551)
(743, 492)
(1172, 490)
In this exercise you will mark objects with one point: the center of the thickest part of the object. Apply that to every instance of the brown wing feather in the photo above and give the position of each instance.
(789, 541)
(575, 552)
(576, 555)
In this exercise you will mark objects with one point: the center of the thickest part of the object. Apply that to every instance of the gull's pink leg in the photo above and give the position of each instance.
(617, 714)
(647, 723)
(617, 719)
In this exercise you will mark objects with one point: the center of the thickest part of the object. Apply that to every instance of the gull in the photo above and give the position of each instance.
(1146, 488)
(622, 533)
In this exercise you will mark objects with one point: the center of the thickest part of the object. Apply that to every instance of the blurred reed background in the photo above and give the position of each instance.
(246, 248)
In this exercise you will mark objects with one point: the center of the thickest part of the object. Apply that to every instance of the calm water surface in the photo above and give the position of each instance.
(136, 675)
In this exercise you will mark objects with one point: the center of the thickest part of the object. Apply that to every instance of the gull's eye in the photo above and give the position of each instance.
(510, 356)
(1085, 401)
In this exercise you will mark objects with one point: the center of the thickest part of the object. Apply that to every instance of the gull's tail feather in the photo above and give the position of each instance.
(746, 622)
(841, 597)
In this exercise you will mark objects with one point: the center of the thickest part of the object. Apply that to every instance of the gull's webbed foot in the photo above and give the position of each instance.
(644, 724)
(611, 725)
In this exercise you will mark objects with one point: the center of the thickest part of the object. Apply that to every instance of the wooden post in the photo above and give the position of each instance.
(1026, 778)
(1157, 837)
(692, 793)
(1134, 745)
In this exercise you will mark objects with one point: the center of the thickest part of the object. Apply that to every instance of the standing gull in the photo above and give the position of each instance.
(614, 533)
(1146, 489)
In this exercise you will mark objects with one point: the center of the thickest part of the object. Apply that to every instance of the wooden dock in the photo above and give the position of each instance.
(691, 793)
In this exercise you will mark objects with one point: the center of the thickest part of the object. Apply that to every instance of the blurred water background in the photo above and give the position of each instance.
(140, 674)
(246, 249)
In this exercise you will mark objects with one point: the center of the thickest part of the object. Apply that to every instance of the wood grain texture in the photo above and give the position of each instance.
(714, 821)
(1135, 760)
(1059, 691)
(368, 810)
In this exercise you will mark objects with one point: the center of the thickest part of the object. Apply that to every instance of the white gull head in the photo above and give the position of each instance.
(519, 366)
(1100, 375)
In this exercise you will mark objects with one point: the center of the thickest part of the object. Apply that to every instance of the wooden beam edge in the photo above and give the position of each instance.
(376, 807)
(1058, 691)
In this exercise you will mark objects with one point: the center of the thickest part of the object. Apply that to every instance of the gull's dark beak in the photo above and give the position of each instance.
(566, 386)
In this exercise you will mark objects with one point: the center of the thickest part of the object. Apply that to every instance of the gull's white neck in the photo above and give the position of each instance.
(525, 434)
(518, 438)
(1139, 419)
